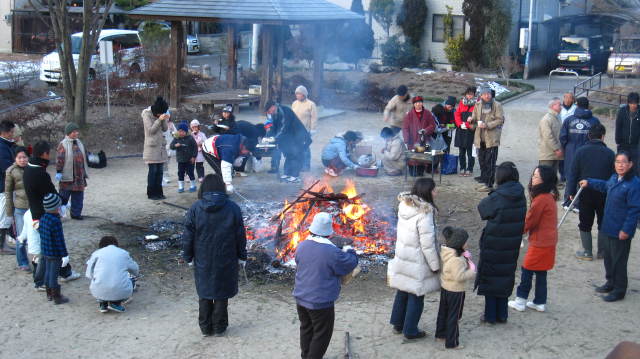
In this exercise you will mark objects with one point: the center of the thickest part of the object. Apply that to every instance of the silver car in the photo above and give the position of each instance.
(625, 56)
(193, 44)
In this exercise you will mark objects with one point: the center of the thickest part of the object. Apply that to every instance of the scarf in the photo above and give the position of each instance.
(67, 169)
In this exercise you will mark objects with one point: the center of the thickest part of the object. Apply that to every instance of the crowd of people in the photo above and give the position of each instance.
(600, 184)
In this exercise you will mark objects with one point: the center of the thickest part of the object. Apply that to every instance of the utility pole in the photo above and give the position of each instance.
(529, 36)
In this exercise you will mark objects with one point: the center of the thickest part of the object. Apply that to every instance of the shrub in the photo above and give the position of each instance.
(453, 50)
(375, 97)
(400, 54)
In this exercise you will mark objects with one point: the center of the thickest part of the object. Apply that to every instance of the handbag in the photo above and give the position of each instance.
(449, 164)
(97, 160)
(436, 140)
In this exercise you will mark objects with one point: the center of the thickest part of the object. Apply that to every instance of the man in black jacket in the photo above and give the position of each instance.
(37, 182)
(6, 160)
(593, 160)
(292, 139)
(628, 128)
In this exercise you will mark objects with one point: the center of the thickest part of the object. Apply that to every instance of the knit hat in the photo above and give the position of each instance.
(51, 202)
(417, 99)
(227, 108)
(183, 126)
(485, 89)
(159, 107)
(70, 127)
(302, 90)
(451, 101)
(455, 237)
(402, 90)
(194, 123)
(322, 224)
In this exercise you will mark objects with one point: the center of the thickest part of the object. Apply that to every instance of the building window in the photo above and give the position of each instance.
(437, 33)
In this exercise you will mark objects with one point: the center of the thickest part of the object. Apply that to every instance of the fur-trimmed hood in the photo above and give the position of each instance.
(412, 205)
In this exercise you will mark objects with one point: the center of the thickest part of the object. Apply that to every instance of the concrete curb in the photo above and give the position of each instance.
(517, 97)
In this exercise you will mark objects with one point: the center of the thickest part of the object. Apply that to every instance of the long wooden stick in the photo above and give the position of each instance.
(304, 192)
(347, 349)
(309, 211)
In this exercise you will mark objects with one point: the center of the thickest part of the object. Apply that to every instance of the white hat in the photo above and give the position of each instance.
(322, 224)
(227, 108)
(194, 123)
(302, 90)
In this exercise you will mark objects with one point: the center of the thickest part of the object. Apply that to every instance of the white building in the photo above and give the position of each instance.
(432, 43)
(6, 7)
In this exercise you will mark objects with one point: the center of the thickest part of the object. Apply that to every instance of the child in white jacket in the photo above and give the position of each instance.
(111, 271)
(457, 269)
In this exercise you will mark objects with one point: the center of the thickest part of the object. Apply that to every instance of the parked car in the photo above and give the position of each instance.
(126, 51)
(584, 54)
(625, 56)
(193, 44)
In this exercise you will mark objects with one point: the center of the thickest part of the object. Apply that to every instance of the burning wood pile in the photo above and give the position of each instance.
(353, 220)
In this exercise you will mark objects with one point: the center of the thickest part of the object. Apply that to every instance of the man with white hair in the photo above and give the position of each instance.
(549, 147)
(307, 113)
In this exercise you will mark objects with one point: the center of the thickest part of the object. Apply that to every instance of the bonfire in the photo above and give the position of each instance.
(354, 221)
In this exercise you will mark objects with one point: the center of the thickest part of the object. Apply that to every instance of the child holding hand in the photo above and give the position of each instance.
(186, 153)
(457, 269)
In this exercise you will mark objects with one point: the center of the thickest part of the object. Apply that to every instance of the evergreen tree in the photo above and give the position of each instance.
(356, 6)
(412, 18)
(382, 11)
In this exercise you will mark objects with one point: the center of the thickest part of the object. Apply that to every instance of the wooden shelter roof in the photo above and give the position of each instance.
(275, 12)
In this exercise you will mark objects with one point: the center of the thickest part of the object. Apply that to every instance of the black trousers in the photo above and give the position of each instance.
(591, 205)
(487, 157)
(616, 256)
(154, 180)
(213, 316)
(449, 313)
(466, 159)
(293, 163)
(316, 328)
(200, 169)
(185, 168)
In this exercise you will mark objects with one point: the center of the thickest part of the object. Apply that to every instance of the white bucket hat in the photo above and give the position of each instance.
(322, 224)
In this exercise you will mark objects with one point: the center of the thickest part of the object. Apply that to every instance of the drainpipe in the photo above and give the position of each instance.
(527, 58)
(255, 41)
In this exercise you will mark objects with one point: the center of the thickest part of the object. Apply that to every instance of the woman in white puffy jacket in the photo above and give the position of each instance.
(414, 269)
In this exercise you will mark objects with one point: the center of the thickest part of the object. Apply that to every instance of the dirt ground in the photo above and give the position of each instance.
(161, 321)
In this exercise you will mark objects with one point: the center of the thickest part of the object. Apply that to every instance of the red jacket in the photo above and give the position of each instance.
(542, 221)
(462, 108)
(413, 123)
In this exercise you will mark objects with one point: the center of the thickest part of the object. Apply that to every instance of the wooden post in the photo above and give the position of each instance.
(232, 60)
(279, 75)
(267, 68)
(318, 65)
(176, 62)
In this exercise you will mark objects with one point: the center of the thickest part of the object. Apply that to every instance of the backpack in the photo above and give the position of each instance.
(98, 160)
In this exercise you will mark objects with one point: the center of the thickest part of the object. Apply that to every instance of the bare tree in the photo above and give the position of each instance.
(508, 66)
(75, 75)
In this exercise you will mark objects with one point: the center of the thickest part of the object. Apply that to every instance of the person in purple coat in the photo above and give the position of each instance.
(320, 266)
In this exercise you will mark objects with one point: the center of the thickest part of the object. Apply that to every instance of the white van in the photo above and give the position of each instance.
(126, 51)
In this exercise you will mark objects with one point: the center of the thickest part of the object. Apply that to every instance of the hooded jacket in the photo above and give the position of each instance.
(187, 150)
(154, 150)
(214, 239)
(627, 128)
(108, 269)
(504, 210)
(393, 156)
(574, 134)
(414, 268)
(455, 270)
(337, 148)
(37, 183)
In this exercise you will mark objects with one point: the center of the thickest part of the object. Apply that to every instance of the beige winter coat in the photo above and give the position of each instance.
(549, 136)
(307, 113)
(393, 155)
(396, 110)
(154, 143)
(14, 188)
(455, 270)
(416, 262)
(494, 121)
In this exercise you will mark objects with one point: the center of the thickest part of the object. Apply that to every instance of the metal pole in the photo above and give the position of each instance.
(108, 95)
(529, 36)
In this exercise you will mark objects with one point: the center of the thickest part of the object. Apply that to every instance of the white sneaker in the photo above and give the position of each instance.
(241, 174)
(518, 304)
(74, 275)
(293, 179)
(538, 307)
(284, 177)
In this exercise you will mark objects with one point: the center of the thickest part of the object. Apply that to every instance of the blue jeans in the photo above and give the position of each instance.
(77, 200)
(21, 248)
(275, 159)
(51, 271)
(495, 309)
(525, 285)
(406, 312)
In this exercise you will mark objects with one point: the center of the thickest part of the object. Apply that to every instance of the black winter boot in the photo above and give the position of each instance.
(58, 298)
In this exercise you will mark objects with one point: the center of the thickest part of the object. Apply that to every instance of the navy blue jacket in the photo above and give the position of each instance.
(6, 159)
(228, 147)
(320, 267)
(622, 208)
(593, 160)
(51, 236)
(574, 134)
(214, 238)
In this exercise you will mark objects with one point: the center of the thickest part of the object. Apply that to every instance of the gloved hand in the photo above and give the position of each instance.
(58, 177)
(242, 263)
(36, 224)
(463, 126)
(229, 188)
(472, 265)
(63, 211)
(346, 248)
(65, 261)
(466, 254)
